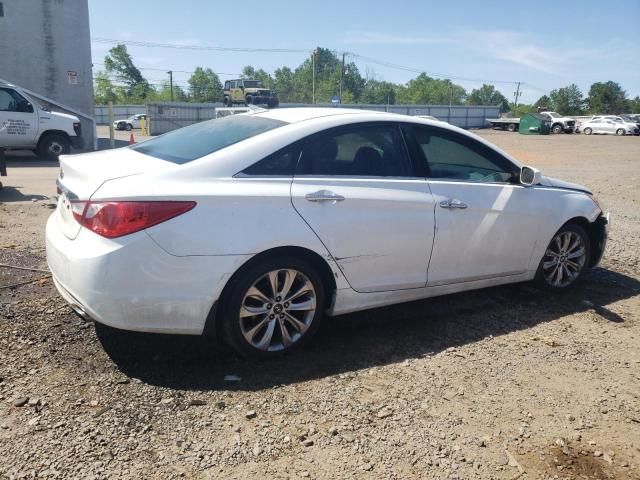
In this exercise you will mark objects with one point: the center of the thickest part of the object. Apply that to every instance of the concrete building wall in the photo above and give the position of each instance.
(45, 46)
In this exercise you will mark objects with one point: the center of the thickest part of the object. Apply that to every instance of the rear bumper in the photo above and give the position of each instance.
(132, 284)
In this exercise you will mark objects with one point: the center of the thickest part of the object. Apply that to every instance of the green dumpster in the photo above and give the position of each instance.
(534, 124)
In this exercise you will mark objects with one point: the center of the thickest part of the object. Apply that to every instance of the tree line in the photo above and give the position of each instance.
(122, 82)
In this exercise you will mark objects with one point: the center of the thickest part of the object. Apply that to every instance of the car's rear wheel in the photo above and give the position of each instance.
(273, 307)
(566, 258)
(588, 131)
(620, 131)
(511, 127)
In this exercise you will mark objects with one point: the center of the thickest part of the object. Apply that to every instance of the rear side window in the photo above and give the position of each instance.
(195, 141)
(281, 163)
(357, 150)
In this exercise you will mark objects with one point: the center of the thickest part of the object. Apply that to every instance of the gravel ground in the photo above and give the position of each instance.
(501, 383)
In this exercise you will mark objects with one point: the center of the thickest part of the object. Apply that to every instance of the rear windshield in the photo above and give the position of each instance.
(196, 141)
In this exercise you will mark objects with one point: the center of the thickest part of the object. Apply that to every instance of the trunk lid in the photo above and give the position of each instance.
(82, 175)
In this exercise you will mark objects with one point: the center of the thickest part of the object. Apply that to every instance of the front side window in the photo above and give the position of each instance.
(451, 156)
(12, 101)
(195, 141)
(358, 150)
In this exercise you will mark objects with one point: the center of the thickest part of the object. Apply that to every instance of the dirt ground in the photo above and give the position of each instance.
(502, 383)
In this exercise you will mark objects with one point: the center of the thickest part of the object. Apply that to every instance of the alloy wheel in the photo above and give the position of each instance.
(564, 259)
(277, 310)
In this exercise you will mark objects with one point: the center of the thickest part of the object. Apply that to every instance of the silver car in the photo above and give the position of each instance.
(606, 125)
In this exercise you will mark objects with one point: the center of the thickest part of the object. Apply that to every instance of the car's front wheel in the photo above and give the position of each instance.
(273, 307)
(620, 131)
(566, 258)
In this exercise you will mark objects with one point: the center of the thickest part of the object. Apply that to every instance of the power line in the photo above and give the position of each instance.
(174, 71)
(138, 43)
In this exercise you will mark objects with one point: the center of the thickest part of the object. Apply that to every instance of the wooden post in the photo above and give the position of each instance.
(112, 140)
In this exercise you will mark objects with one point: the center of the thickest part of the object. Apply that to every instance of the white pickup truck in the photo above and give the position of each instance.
(26, 125)
(559, 123)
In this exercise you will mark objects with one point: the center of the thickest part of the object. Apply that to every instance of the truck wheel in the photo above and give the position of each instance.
(273, 103)
(248, 99)
(227, 102)
(511, 127)
(52, 146)
(557, 128)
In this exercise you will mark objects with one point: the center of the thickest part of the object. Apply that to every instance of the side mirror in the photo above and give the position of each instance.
(24, 107)
(530, 176)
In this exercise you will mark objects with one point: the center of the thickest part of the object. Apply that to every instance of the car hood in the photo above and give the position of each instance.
(554, 182)
(65, 116)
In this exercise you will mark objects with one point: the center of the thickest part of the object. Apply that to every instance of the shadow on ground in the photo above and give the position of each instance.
(365, 339)
(12, 194)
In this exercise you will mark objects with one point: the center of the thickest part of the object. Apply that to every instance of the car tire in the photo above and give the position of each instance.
(511, 127)
(565, 259)
(557, 128)
(270, 332)
(227, 102)
(620, 132)
(588, 131)
(128, 127)
(52, 146)
(248, 99)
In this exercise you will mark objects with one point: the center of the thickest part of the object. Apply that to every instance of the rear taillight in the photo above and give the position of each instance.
(115, 219)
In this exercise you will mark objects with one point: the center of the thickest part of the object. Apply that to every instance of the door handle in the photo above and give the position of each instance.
(453, 204)
(324, 196)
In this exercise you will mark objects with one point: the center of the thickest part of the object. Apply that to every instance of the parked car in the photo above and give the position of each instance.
(620, 119)
(129, 123)
(605, 125)
(559, 123)
(254, 226)
(27, 125)
(248, 92)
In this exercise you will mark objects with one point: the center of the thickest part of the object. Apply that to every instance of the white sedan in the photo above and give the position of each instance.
(130, 123)
(607, 125)
(254, 226)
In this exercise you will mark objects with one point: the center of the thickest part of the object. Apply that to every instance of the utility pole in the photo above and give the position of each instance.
(450, 99)
(313, 63)
(170, 72)
(516, 94)
(341, 76)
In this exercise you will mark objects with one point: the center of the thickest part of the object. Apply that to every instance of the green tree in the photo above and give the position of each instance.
(104, 91)
(488, 95)
(424, 89)
(543, 102)
(634, 105)
(378, 92)
(606, 97)
(120, 63)
(283, 84)
(204, 86)
(567, 100)
(249, 72)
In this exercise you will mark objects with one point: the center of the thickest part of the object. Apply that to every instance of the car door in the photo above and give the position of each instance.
(486, 222)
(357, 189)
(18, 120)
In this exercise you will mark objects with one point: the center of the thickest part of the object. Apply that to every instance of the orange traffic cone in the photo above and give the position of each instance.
(131, 139)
